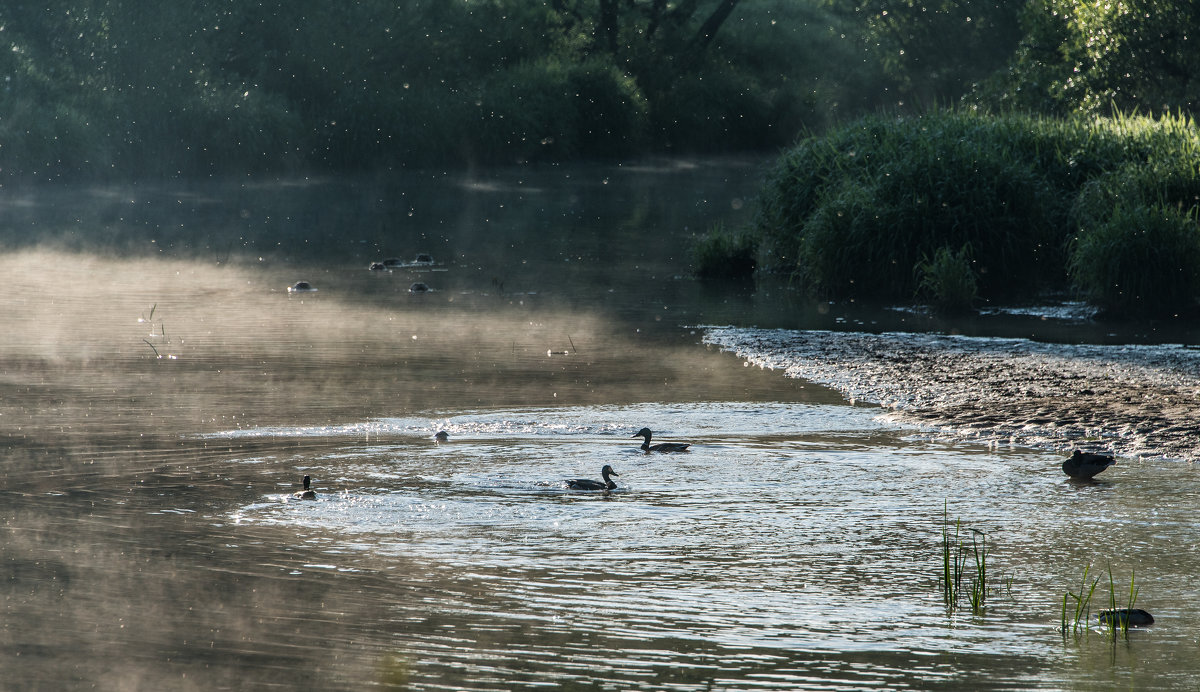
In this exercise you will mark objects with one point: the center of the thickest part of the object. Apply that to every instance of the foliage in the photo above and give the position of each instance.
(1102, 58)
(933, 52)
(97, 88)
(856, 211)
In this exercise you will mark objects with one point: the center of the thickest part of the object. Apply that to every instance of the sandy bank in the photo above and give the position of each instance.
(1128, 400)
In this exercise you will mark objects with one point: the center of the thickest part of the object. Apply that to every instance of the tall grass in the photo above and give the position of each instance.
(854, 212)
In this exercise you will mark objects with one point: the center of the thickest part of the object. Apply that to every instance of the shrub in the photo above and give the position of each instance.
(1144, 260)
(854, 211)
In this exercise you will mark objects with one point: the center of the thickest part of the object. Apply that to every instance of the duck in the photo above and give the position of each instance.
(1083, 465)
(419, 287)
(423, 258)
(301, 287)
(589, 484)
(377, 267)
(441, 436)
(662, 446)
(308, 493)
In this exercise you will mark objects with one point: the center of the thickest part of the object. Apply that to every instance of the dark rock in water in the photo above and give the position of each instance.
(1125, 616)
(1084, 465)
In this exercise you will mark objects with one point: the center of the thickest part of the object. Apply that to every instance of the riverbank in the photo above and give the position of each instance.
(1129, 400)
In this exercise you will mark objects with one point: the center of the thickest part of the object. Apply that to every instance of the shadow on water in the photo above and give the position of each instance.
(161, 394)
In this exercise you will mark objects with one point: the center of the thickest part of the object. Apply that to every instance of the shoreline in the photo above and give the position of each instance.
(1128, 400)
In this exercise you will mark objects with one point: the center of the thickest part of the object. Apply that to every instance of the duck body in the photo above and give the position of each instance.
(308, 493)
(660, 447)
(301, 287)
(441, 436)
(1084, 465)
(590, 484)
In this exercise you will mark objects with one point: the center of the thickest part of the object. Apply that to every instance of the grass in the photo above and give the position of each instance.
(1076, 607)
(723, 253)
(965, 570)
(948, 281)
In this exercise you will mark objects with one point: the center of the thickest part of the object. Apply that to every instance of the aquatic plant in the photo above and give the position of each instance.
(1115, 622)
(962, 562)
(1076, 607)
(723, 253)
(948, 281)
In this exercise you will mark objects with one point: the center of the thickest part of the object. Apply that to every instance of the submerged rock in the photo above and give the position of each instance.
(1135, 617)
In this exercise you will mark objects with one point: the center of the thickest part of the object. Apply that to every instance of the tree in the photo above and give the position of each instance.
(1122, 55)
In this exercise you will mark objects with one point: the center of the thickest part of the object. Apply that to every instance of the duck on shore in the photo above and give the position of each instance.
(589, 484)
(308, 493)
(660, 447)
(1084, 465)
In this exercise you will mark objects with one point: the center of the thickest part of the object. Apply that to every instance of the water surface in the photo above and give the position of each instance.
(162, 394)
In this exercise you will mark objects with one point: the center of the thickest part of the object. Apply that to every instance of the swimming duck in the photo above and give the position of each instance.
(306, 494)
(1083, 465)
(377, 267)
(419, 287)
(393, 263)
(423, 258)
(441, 436)
(301, 287)
(589, 484)
(662, 446)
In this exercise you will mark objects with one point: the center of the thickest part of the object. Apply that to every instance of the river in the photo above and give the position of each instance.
(163, 393)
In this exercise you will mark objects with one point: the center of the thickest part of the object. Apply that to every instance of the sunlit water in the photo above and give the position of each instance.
(158, 413)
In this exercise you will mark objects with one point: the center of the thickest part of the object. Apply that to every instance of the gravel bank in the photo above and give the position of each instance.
(1128, 400)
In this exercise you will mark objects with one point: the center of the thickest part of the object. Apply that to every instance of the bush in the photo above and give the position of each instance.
(1144, 260)
(860, 210)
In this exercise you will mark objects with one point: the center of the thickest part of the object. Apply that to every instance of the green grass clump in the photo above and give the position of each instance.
(948, 281)
(1076, 607)
(722, 253)
(964, 568)
(865, 210)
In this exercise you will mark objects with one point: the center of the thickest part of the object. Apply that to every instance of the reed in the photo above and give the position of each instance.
(962, 563)
(1076, 607)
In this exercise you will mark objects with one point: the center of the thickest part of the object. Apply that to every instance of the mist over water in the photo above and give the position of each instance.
(159, 408)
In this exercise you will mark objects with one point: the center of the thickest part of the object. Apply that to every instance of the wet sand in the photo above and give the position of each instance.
(1131, 400)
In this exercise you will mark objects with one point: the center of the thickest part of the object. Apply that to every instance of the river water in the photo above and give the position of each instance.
(162, 393)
